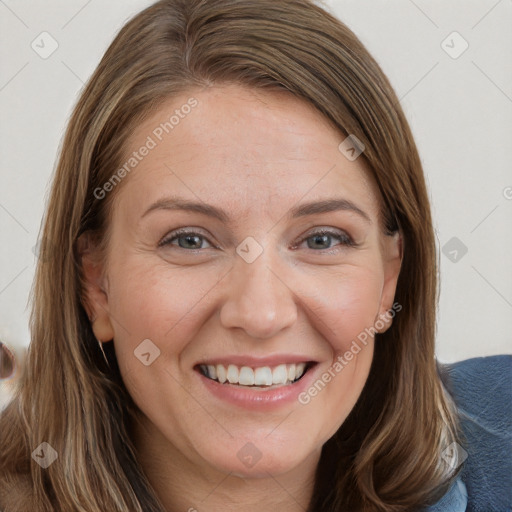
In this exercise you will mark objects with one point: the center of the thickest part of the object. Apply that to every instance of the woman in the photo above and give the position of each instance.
(204, 350)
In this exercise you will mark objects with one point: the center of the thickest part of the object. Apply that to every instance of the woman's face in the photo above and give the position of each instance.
(265, 278)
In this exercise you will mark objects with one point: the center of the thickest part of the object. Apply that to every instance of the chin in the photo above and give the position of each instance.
(252, 462)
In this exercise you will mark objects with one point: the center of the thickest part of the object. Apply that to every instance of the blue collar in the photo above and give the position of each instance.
(455, 500)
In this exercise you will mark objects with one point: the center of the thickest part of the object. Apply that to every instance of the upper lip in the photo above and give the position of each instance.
(256, 362)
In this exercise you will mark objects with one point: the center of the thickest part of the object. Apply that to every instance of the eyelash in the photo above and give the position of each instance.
(344, 238)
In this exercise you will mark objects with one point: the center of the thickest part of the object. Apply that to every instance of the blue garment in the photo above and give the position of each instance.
(482, 390)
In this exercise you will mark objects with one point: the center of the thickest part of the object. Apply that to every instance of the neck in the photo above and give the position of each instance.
(190, 484)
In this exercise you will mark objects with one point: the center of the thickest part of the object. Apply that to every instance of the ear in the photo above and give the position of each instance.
(392, 253)
(95, 297)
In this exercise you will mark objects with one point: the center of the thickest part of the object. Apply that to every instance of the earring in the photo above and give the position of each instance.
(101, 329)
(103, 352)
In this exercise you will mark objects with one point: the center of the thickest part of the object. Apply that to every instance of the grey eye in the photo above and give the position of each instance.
(186, 240)
(322, 239)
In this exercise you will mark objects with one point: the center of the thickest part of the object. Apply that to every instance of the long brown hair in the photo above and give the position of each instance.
(387, 454)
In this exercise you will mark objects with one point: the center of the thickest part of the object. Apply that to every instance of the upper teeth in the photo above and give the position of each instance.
(247, 376)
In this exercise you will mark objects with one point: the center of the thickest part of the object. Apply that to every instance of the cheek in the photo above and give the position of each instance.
(345, 306)
(157, 304)
(343, 309)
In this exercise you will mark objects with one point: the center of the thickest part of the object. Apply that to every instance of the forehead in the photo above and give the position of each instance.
(253, 150)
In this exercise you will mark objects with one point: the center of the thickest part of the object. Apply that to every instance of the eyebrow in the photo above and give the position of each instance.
(302, 210)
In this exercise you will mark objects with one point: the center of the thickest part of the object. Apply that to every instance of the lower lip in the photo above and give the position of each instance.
(258, 398)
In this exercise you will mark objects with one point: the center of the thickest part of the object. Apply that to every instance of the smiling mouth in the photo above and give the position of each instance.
(265, 377)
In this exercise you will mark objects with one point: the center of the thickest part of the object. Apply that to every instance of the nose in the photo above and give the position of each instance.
(258, 300)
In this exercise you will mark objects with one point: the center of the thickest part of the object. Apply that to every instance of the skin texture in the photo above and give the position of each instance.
(257, 155)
